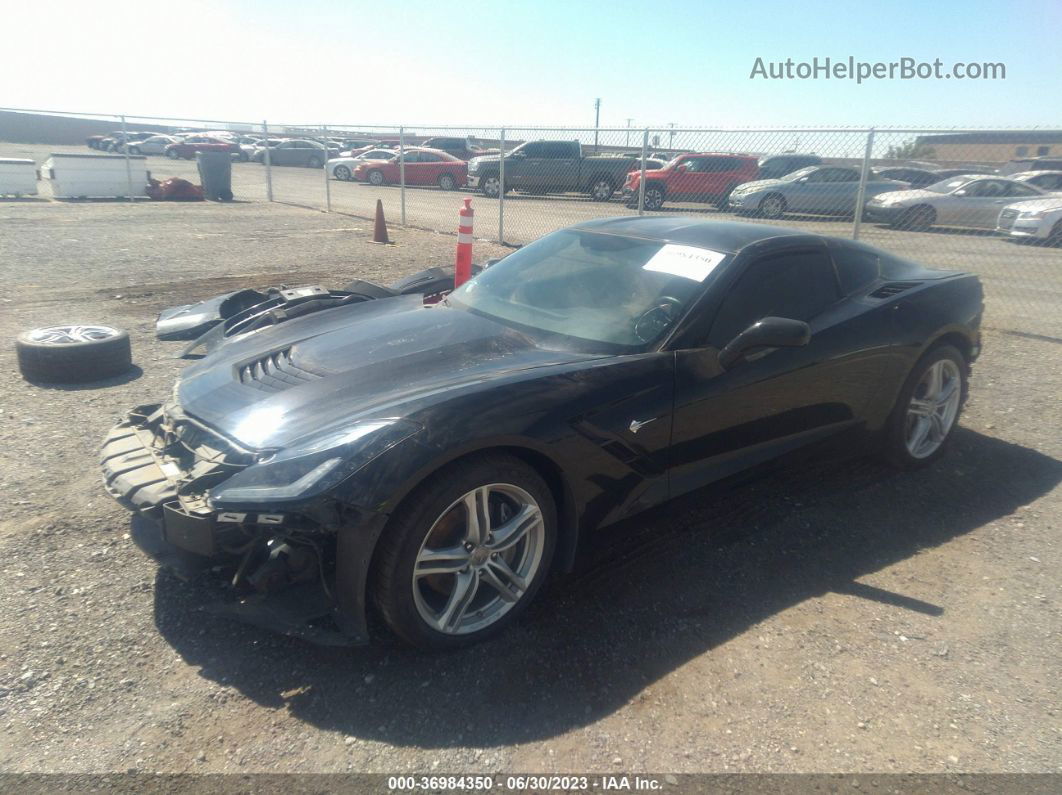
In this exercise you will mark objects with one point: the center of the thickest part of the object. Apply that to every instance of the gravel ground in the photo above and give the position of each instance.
(831, 616)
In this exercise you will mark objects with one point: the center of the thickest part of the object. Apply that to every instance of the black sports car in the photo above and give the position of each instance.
(438, 461)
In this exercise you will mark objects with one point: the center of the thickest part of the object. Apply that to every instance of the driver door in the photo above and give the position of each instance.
(777, 399)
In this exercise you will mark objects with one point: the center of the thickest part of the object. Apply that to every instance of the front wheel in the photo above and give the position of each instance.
(376, 177)
(490, 186)
(173, 154)
(342, 172)
(466, 553)
(654, 198)
(916, 218)
(927, 409)
(772, 206)
(134, 150)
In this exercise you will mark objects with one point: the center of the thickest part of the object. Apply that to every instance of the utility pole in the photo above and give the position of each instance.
(671, 139)
(628, 132)
(597, 120)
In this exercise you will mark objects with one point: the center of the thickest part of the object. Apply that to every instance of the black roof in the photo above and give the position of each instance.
(723, 236)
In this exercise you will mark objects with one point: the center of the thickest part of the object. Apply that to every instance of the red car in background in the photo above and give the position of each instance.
(188, 147)
(423, 167)
(695, 177)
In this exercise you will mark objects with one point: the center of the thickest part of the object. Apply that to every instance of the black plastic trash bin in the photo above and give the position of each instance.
(215, 174)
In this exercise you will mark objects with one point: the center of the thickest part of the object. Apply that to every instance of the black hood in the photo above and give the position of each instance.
(271, 388)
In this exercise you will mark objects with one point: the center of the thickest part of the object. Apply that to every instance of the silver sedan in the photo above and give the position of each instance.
(815, 189)
(972, 201)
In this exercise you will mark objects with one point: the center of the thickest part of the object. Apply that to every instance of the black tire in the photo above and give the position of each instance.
(76, 362)
(489, 186)
(654, 197)
(447, 182)
(895, 448)
(375, 177)
(916, 218)
(602, 189)
(772, 206)
(243, 157)
(342, 173)
(173, 154)
(134, 150)
(313, 162)
(408, 527)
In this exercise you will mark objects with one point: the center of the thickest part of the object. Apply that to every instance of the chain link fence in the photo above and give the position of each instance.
(989, 201)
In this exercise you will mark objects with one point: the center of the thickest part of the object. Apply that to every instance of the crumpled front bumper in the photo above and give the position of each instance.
(183, 534)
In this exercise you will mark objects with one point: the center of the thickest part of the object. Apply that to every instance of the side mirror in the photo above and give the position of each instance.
(771, 332)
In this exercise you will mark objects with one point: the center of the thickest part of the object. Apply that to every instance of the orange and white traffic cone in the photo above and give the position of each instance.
(463, 266)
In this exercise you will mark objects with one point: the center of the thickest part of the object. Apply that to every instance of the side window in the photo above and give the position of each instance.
(429, 157)
(821, 175)
(694, 165)
(796, 284)
(841, 175)
(719, 165)
(411, 157)
(534, 149)
(1017, 189)
(559, 151)
(856, 267)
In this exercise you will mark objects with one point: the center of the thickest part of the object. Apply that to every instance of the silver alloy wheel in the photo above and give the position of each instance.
(654, 199)
(933, 408)
(602, 190)
(491, 186)
(376, 178)
(64, 335)
(341, 172)
(173, 154)
(478, 559)
(772, 206)
(447, 182)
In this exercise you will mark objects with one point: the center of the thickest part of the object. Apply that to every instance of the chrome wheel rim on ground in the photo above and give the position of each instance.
(478, 559)
(933, 408)
(65, 335)
(653, 199)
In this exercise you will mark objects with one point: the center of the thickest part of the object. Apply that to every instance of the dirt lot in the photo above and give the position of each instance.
(835, 616)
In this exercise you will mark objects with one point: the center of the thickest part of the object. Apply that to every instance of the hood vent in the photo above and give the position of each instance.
(893, 288)
(275, 372)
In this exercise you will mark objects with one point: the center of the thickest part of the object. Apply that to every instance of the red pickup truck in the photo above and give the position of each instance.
(694, 177)
(201, 143)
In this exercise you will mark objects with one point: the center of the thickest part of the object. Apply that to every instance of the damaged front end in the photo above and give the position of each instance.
(162, 465)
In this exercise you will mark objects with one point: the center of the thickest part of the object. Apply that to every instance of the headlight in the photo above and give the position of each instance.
(314, 466)
(1033, 215)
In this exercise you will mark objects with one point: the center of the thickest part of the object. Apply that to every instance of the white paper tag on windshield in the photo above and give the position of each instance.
(690, 262)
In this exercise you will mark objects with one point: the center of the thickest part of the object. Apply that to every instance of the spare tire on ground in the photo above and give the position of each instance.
(73, 354)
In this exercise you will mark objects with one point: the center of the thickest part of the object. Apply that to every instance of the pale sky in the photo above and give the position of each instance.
(542, 62)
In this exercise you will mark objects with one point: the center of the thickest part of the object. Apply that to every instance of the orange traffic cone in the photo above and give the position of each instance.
(379, 231)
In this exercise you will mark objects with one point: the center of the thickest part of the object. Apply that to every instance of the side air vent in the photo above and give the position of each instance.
(275, 372)
(893, 288)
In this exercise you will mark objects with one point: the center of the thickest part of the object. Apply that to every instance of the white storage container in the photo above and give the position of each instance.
(95, 176)
(18, 177)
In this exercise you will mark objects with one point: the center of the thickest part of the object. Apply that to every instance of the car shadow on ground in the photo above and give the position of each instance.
(650, 596)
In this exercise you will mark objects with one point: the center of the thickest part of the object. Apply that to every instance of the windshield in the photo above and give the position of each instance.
(800, 172)
(948, 185)
(592, 288)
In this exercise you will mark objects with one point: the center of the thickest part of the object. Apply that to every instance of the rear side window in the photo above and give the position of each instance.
(799, 285)
(856, 268)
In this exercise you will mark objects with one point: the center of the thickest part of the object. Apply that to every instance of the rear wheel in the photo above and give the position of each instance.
(465, 554)
(313, 162)
(1054, 237)
(173, 154)
(134, 150)
(927, 409)
(447, 182)
(342, 172)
